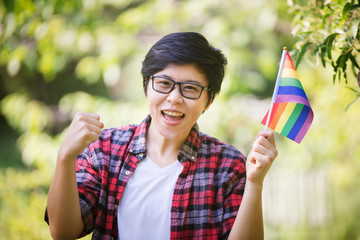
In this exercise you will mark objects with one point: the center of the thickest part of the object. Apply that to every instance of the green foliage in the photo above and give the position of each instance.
(330, 31)
(61, 57)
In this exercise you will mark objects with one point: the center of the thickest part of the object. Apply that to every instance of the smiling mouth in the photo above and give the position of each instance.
(169, 115)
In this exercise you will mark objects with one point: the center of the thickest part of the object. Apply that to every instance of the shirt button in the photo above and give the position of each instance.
(127, 173)
(131, 150)
(192, 157)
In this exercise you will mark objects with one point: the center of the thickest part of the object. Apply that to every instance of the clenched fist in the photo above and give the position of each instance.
(84, 129)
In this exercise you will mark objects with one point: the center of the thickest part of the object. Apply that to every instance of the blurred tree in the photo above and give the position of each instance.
(60, 57)
(50, 49)
(330, 30)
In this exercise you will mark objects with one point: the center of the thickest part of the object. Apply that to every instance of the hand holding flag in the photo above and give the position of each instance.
(290, 112)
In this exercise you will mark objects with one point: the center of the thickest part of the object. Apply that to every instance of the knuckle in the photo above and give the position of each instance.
(83, 126)
(79, 115)
(276, 153)
(81, 118)
(262, 139)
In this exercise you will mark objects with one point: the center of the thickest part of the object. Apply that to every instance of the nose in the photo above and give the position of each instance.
(175, 96)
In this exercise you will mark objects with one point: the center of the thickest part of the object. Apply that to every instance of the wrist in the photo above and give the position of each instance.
(253, 187)
(64, 158)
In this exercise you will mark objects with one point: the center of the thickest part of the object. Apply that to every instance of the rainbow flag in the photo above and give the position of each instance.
(291, 113)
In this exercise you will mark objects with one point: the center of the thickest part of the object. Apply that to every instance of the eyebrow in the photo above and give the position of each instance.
(186, 81)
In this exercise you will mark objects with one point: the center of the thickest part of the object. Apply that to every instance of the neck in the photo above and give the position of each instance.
(161, 150)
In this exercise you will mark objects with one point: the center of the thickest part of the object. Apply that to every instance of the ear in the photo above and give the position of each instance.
(210, 101)
(208, 105)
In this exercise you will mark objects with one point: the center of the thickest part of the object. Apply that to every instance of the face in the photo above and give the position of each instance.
(173, 115)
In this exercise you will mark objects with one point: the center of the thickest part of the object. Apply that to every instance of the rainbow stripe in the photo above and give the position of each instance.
(291, 113)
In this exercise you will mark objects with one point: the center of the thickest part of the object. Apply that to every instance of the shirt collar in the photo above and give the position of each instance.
(189, 149)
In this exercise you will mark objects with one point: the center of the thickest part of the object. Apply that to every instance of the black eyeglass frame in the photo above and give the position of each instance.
(178, 83)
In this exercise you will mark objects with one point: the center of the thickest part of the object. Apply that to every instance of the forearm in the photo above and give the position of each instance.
(249, 220)
(63, 202)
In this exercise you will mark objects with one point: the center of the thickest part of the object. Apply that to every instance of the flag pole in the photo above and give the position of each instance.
(276, 86)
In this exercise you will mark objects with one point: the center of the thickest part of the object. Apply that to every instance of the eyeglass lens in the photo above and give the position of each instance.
(187, 90)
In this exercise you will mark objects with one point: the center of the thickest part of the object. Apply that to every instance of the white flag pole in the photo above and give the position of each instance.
(276, 86)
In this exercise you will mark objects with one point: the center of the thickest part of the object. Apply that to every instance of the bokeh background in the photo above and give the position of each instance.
(60, 57)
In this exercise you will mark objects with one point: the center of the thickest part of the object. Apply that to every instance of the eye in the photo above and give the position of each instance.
(163, 82)
(191, 88)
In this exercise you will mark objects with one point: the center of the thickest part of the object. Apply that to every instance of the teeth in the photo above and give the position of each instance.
(175, 114)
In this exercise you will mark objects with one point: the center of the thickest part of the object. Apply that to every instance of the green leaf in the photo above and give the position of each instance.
(346, 9)
(353, 60)
(324, 18)
(344, 61)
(322, 54)
(304, 48)
(341, 61)
(328, 43)
(355, 6)
(349, 105)
(353, 89)
(9, 5)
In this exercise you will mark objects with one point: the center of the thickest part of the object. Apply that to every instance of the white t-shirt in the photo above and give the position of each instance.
(145, 207)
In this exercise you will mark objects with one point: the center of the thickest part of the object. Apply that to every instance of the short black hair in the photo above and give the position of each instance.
(186, 48)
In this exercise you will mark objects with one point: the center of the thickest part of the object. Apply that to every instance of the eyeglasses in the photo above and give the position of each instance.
(163, 84)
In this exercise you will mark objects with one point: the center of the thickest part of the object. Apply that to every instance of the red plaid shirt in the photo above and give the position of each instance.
(207, 194)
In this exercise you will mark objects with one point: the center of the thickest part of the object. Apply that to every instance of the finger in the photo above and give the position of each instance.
(90, 118)
(260, 147)
(88, 115)
(95, 122)
(87, 134)
(265, 148)
(92, 129)
(250, 157)
(92, 137)
(266, 143)
(269, 149)
(268, 134)
(254, 159)
(254, 156)
(263, 142)
(260, 160)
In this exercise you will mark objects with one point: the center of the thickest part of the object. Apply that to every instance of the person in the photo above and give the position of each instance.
(162, 178)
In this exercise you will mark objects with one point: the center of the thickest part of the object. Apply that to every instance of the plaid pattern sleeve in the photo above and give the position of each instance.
(89, 185)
